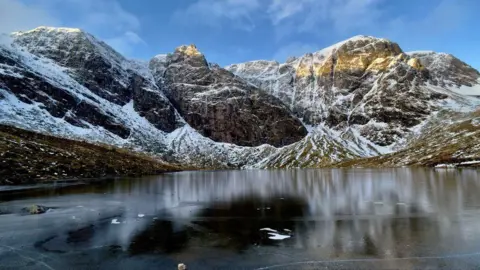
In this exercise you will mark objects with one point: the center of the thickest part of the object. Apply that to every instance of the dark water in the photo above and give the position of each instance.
(293, 219)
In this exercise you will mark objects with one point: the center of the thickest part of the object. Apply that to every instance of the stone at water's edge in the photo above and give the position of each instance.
(35, 209)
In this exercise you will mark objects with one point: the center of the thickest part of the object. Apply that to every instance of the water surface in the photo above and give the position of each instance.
(288, 219)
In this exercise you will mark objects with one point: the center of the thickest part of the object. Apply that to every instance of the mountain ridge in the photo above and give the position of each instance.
(342, 84)
(184, 109)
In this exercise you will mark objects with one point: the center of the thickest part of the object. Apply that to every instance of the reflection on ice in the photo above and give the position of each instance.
(379, 213)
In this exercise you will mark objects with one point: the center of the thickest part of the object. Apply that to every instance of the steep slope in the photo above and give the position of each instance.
(449, 140)
(221, 106)
(449, 72)
(321, 147)
(367, 84)
(101, 70)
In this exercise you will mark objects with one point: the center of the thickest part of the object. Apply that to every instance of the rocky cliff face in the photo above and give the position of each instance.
(223, 107)
(449, 72)
(101, 70)
(364, 83)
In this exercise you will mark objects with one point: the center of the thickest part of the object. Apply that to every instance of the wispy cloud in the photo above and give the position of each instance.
(286, 16)
(109, 20)
(280, 10)
(212, 13)
(311, 16)
(108, 15)
(106, 19)
(126, 43)
(16, 15)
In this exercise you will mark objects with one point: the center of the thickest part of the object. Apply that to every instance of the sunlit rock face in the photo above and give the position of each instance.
(365, 83)
(222, 106)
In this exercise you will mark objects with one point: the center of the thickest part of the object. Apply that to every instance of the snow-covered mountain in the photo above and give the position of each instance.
(451, 139)
(367, 84)
(357, 98)
(221, 106)
(67, 83)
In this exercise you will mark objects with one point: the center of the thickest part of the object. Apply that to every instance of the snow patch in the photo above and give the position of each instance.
(115, 221)
(470, 162)
(268, 229)
(277, 236)
(445, 166)
(419, 52)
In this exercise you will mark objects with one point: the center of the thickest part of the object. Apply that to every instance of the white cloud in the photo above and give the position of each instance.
(14, 16)
(106, 14)
(106, 19)
(294, 49)
(126, 43)
(310, 16)
(286, 16)
(280, 10)
(213, 13)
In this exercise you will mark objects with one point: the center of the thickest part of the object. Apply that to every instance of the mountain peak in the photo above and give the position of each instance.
(365, 37)
(188, 54)
(360, 42)
(41, 29)
(57, 42)
(188, 50)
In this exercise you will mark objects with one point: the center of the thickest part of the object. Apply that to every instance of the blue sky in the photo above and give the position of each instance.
(232, 31)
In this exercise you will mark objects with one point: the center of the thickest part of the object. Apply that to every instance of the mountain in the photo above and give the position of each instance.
(103, 72)
(368, 84)
(359, 98)
(221, 106)
(65, 82)
(449, 140)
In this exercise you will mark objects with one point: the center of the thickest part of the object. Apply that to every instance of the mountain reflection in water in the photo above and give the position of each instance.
(256, 218)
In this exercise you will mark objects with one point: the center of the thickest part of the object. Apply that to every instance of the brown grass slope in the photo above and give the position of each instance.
(29, 157)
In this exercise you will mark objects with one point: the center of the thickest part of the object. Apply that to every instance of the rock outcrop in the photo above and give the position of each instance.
(221, 106)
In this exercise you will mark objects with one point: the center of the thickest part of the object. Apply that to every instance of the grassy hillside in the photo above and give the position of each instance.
(28, 157)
